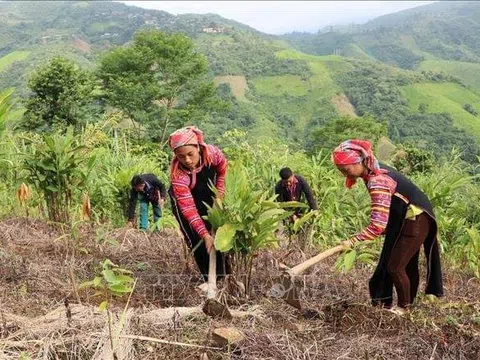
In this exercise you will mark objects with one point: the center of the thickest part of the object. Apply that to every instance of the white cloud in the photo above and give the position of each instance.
(277, 17)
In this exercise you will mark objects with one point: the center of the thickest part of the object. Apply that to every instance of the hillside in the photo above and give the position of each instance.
(439, 31)
(281, 86)
(80, 280)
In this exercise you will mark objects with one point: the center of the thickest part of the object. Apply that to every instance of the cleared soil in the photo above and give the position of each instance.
(40, 316)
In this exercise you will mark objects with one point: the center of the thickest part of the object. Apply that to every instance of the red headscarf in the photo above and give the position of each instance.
(189, 135)
(353, 152)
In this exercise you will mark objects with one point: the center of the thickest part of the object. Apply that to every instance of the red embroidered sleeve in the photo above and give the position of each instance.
(381, 188)
(183, 195)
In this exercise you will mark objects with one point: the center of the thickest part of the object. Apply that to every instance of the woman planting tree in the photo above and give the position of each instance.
(401, 211)
(196, 167)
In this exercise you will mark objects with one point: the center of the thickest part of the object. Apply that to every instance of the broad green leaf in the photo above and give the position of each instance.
(270, 204)
(224, 237)
(349, 260)
(109, 276)
(270, 214)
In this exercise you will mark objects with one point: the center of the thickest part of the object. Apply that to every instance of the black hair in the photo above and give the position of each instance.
(285, 173)
(137, 180)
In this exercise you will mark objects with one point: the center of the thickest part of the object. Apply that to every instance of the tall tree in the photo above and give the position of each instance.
(344, 128)
(159, 81)
(60, 93)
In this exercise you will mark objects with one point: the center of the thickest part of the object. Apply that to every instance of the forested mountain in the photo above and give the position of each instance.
(409, 71)
(407, 39)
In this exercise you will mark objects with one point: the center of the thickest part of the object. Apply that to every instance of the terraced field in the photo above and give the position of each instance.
(446, 97)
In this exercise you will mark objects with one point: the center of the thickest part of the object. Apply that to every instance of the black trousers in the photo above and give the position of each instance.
(200, 254)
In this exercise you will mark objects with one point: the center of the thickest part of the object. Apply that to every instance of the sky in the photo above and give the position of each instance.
(279, 17)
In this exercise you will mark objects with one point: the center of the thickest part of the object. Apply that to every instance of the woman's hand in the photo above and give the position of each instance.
(347, 244)
(209, 242)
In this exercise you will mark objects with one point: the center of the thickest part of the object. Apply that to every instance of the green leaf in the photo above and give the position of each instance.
(224, 237)
(298, 224)
(97, 281)
(270, 204)
(269, 214)
(124, 279)
(109, 276)
(52, 188)
(349, 260)
(92, 161)
(292, 204)
(103, 305)
(119, 288)
(107, 263)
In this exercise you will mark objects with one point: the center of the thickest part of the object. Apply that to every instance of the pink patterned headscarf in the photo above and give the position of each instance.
(353, 152)
(189, 135)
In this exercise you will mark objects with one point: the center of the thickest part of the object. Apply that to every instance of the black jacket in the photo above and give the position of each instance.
(152, 186)
(302, 189)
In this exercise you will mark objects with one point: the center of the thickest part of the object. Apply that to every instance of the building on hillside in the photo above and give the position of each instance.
(214, 30)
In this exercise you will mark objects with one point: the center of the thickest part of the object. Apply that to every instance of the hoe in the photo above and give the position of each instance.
(289, 291)
(212, 306)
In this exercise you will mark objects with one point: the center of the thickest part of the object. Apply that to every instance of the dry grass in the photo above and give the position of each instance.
(36, 319)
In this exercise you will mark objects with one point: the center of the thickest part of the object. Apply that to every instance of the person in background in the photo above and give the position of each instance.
(194, 168)
(401, 212)
(292, 187)
(147, 189)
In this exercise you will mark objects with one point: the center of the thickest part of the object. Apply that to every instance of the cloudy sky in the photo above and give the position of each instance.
(278, 17)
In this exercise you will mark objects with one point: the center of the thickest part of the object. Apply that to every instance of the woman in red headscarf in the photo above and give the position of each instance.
(401, 212)
(194, 168)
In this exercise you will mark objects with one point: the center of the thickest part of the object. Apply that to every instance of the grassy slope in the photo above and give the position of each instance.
(310, 92)
(409, 42)
(468, 72)
(279, 85)
(12, 57)
(446, 97)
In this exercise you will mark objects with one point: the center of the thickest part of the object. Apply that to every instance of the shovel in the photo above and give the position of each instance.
(212, 306)
(288, 290)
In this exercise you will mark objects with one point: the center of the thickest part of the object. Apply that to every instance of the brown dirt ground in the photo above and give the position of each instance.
(35, 260)
(82, 46)
(237, 83)
(343, 105)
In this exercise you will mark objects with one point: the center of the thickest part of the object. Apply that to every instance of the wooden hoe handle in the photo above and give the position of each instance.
(300, 268)
(212, 275)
